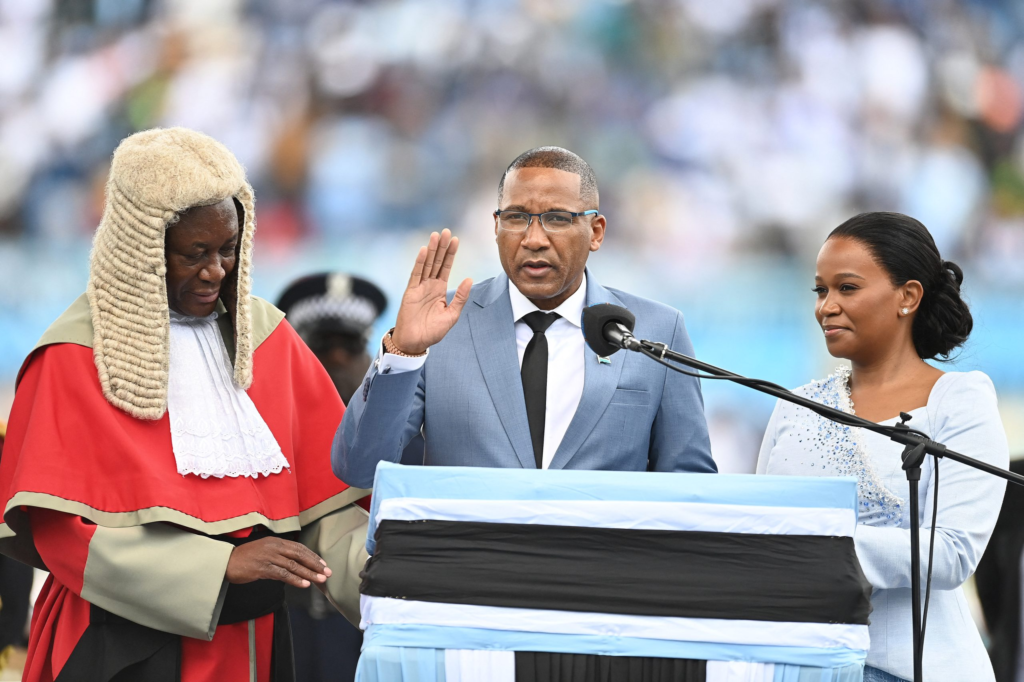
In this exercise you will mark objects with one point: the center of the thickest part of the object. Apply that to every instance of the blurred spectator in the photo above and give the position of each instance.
(1000, 583)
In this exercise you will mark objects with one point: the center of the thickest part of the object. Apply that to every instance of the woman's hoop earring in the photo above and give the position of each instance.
(905, 311)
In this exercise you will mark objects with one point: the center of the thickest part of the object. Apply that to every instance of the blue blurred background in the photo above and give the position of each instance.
(728, 136)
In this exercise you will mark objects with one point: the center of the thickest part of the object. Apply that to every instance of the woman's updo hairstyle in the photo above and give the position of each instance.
(905, 249)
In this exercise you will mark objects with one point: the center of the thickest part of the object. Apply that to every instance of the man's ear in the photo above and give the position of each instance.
(597, 229)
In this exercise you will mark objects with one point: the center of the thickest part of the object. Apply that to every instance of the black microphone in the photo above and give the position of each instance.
(607, 328)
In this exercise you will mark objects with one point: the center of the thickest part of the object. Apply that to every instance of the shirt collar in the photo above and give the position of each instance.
(571, 309)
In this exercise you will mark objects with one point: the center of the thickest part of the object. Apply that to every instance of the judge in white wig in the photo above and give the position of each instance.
(167, 455)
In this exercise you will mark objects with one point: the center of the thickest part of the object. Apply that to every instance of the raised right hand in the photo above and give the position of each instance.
(425, 316)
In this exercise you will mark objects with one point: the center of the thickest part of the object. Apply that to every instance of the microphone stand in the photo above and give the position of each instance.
(916, 446)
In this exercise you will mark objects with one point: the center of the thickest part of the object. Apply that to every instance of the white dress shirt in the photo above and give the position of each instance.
(565, 361)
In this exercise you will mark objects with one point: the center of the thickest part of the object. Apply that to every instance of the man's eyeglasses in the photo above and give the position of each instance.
(552, 221)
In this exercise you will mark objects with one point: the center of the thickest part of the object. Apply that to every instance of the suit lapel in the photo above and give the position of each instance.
(599, 382)
(493, 332)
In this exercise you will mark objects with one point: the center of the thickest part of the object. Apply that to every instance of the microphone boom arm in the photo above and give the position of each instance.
(900, 434)
(916, 446)
(608, 328)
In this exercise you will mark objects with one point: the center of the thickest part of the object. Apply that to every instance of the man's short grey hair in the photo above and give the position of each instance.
(560, 159)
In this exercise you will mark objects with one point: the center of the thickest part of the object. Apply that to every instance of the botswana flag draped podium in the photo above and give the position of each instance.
(508, 575)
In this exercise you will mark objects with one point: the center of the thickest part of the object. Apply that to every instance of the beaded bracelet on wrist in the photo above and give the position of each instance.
(390, 347)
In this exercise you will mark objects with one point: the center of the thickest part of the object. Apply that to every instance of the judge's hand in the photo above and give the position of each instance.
(276, 559)
(425, 316)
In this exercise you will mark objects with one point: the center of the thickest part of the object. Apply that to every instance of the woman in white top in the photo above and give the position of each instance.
(887, 302)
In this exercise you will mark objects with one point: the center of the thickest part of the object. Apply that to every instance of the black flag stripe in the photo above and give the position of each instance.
(787, 578)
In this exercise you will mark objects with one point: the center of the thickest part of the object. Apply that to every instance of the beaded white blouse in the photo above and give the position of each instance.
(216, 429)
(812, 445)
(962, 412)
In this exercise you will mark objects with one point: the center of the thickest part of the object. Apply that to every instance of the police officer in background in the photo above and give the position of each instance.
(334, 314)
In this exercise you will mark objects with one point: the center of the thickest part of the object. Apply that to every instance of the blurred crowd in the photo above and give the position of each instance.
(716, 127)
(727, 136)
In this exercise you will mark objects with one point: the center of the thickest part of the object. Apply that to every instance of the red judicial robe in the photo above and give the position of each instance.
(93, 494)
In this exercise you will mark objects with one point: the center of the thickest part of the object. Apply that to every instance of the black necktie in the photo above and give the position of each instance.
(535, 379)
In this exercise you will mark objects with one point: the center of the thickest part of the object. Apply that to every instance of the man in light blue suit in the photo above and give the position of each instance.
(498, 375)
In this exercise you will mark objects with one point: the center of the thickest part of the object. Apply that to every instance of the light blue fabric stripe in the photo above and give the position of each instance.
(796, 673)
(478, 483)
(432, 636)
(400, 664)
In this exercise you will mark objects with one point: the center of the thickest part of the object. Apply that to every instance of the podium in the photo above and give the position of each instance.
(512, 575)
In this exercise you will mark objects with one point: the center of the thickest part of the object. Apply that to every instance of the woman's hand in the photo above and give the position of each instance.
(276, 559)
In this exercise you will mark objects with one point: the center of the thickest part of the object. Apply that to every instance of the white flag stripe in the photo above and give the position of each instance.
(740, 671)
(384, 610)
(696, 516)
(471, 665)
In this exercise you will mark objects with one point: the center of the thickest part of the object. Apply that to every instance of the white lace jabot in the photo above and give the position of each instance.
(215, 427)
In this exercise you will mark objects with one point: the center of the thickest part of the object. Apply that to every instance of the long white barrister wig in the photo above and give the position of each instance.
(154, 176)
